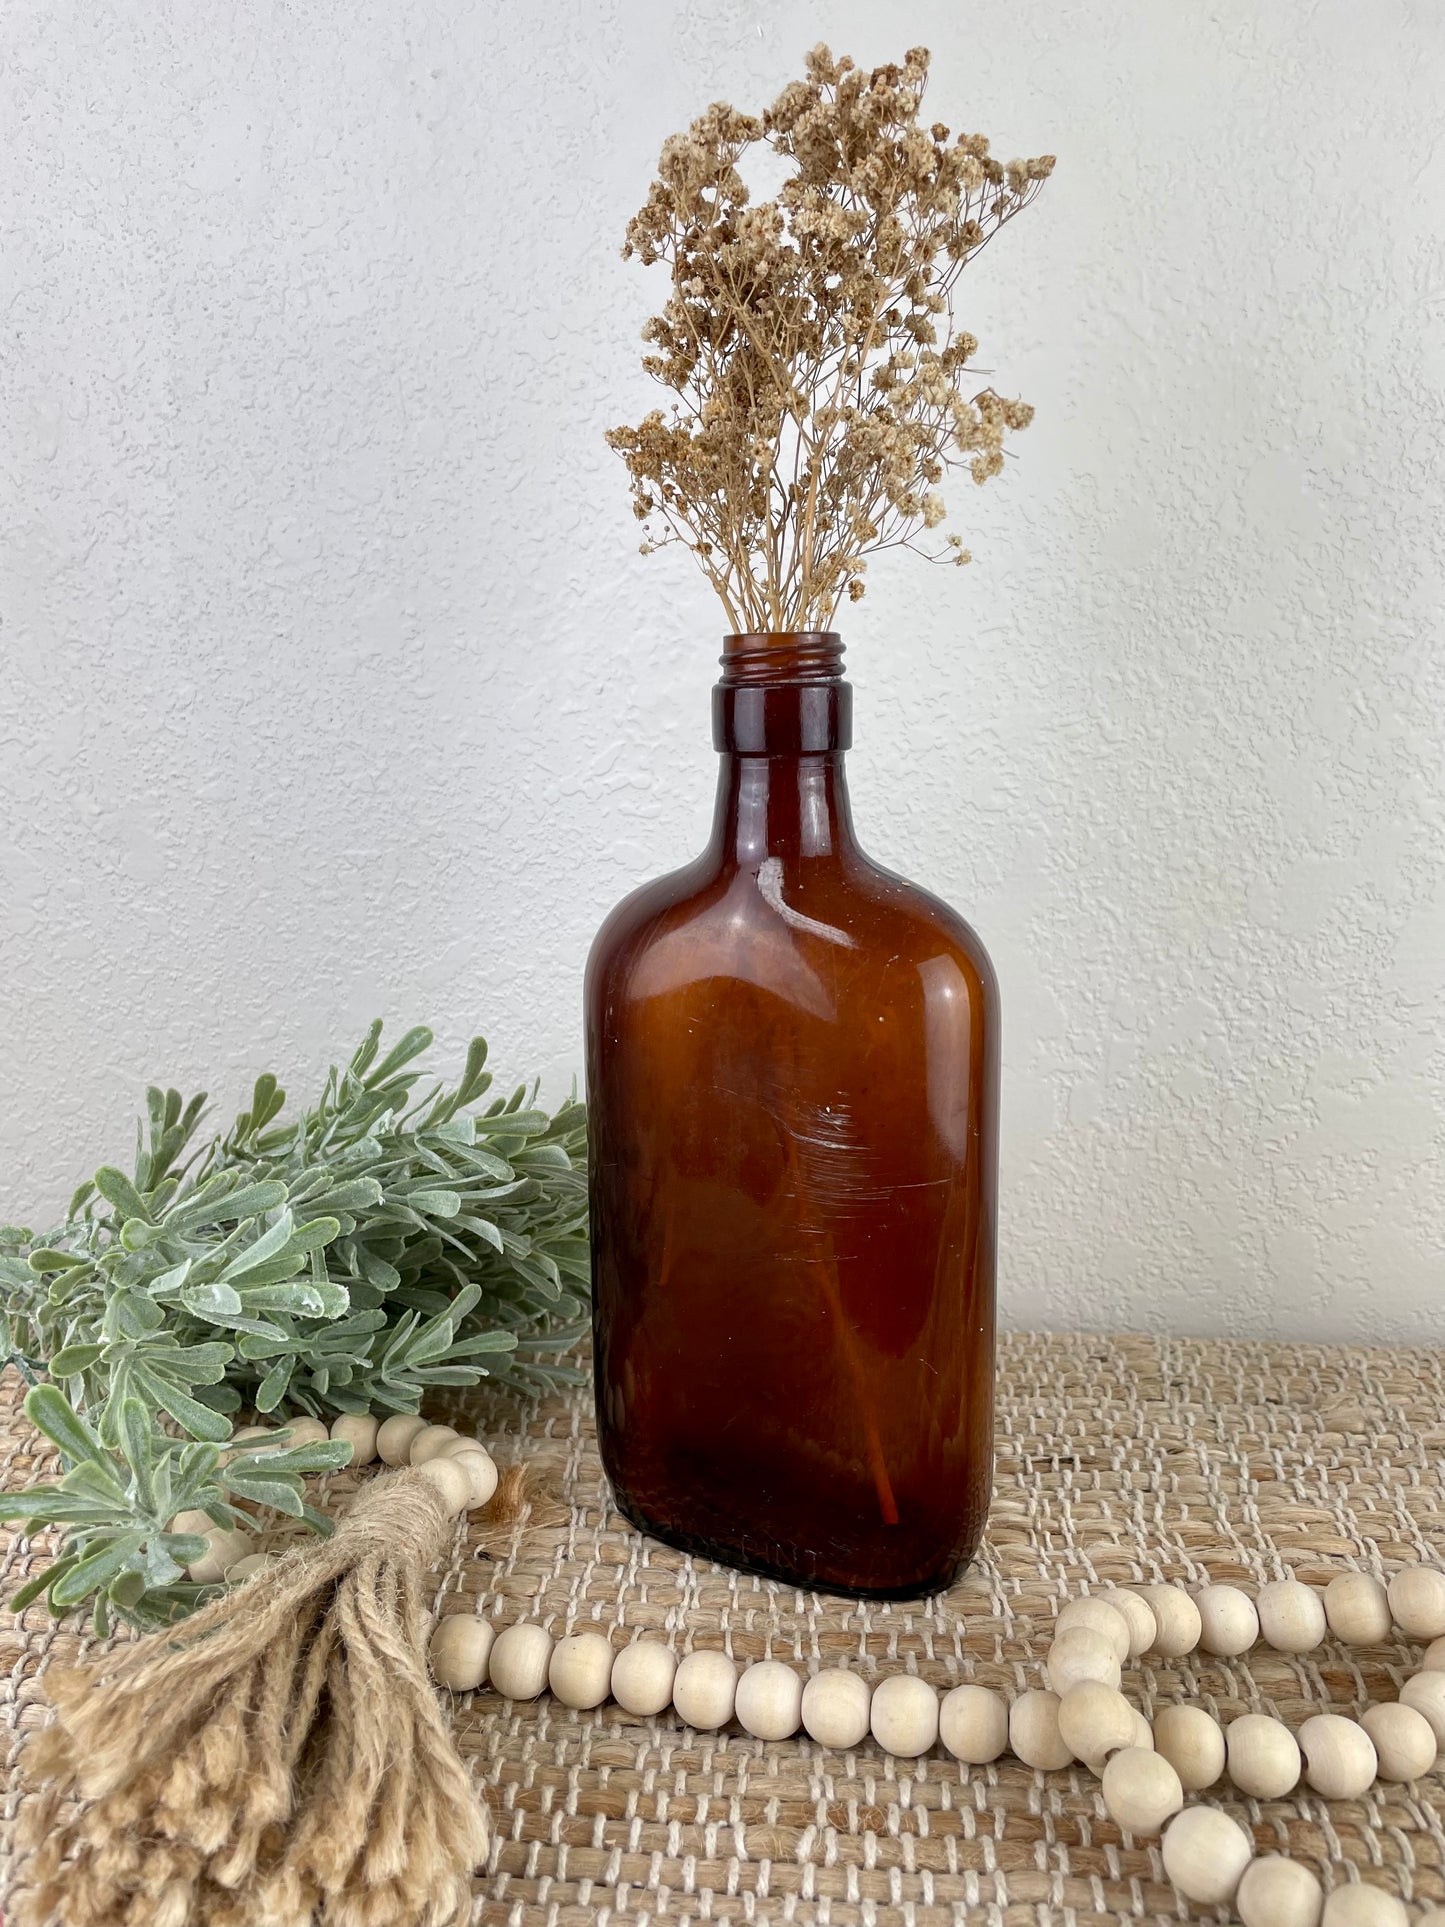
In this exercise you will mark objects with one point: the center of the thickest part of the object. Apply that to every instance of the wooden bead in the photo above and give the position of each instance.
(1228, 1623)
(1136, 1614)
(1357, 1609)
(450, 1479)
(1404, 1740)
(835, 1708)
(1432, 1917)
(224, 1547)
(580, 1669)
(1426, 1693)
(973, 1724)
(480, 1468)
(1143, 1732)
(1277, 1892)
(705, 1690)
(1434, 1657)
(519, 1661)
(1340, 1758)
(302, 1431)
(1081, 1655)
(1357, 1905)
(1193, 1744)
(1176, 1620)
(642, 1676)
(1099, 1617)
(459, 1650)
(1205, 1854)
(903, 1715)
(1417, 1602)
(770, 1700)
(430, 1442)
(1263, 1756)
(1141, 1790)
(192, 1522)
(255, 1562)
(1033, 1732)
(253, 1432)
(394, 1436)
(1291, 1616)
(1095, 1721)
(358, 1430)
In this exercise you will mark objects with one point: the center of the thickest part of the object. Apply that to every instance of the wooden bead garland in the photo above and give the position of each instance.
(1145, 1773)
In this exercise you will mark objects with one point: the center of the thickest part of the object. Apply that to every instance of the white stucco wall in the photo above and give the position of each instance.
(333, 684)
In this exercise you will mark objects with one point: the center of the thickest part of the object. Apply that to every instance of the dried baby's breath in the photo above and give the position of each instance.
(821, 381)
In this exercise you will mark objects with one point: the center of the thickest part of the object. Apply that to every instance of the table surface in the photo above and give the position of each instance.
(1120, 1459)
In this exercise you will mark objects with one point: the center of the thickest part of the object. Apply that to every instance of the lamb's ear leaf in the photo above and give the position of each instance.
(28, 1593)
(117, 1190)
(50, 1412)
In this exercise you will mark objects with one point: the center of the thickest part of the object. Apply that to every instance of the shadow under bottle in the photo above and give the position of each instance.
(792, 1065)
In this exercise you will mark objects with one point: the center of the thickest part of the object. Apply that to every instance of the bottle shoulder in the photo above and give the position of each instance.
(849, 920)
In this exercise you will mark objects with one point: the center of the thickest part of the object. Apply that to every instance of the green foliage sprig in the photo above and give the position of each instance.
(380, 1244)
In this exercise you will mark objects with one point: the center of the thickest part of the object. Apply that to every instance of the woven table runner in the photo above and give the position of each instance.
(1119, 1459)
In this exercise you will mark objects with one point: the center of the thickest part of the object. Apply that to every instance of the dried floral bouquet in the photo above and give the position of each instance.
(821, 380)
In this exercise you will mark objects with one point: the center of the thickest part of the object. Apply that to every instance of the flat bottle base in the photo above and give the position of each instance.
(743, 1559)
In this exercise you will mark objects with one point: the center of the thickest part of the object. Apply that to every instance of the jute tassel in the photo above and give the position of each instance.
(278, 1759)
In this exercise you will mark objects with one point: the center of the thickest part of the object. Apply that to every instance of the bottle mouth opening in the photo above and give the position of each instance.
(782, 656)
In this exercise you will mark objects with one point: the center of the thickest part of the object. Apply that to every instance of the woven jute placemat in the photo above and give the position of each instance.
(1119, 1459)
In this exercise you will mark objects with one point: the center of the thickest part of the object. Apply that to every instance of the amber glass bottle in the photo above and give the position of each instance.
(792, 1069)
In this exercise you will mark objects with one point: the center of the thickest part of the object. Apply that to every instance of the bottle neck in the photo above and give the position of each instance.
(782, 718)
(794, 808)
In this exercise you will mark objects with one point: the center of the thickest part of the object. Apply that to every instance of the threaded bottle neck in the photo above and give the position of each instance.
(782, 694)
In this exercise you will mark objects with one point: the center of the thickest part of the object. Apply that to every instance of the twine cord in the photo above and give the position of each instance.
(278, 1759)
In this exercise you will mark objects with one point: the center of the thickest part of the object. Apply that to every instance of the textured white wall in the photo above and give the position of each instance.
(332, 682)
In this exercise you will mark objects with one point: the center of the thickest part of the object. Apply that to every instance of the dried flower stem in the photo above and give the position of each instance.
(810, 340)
